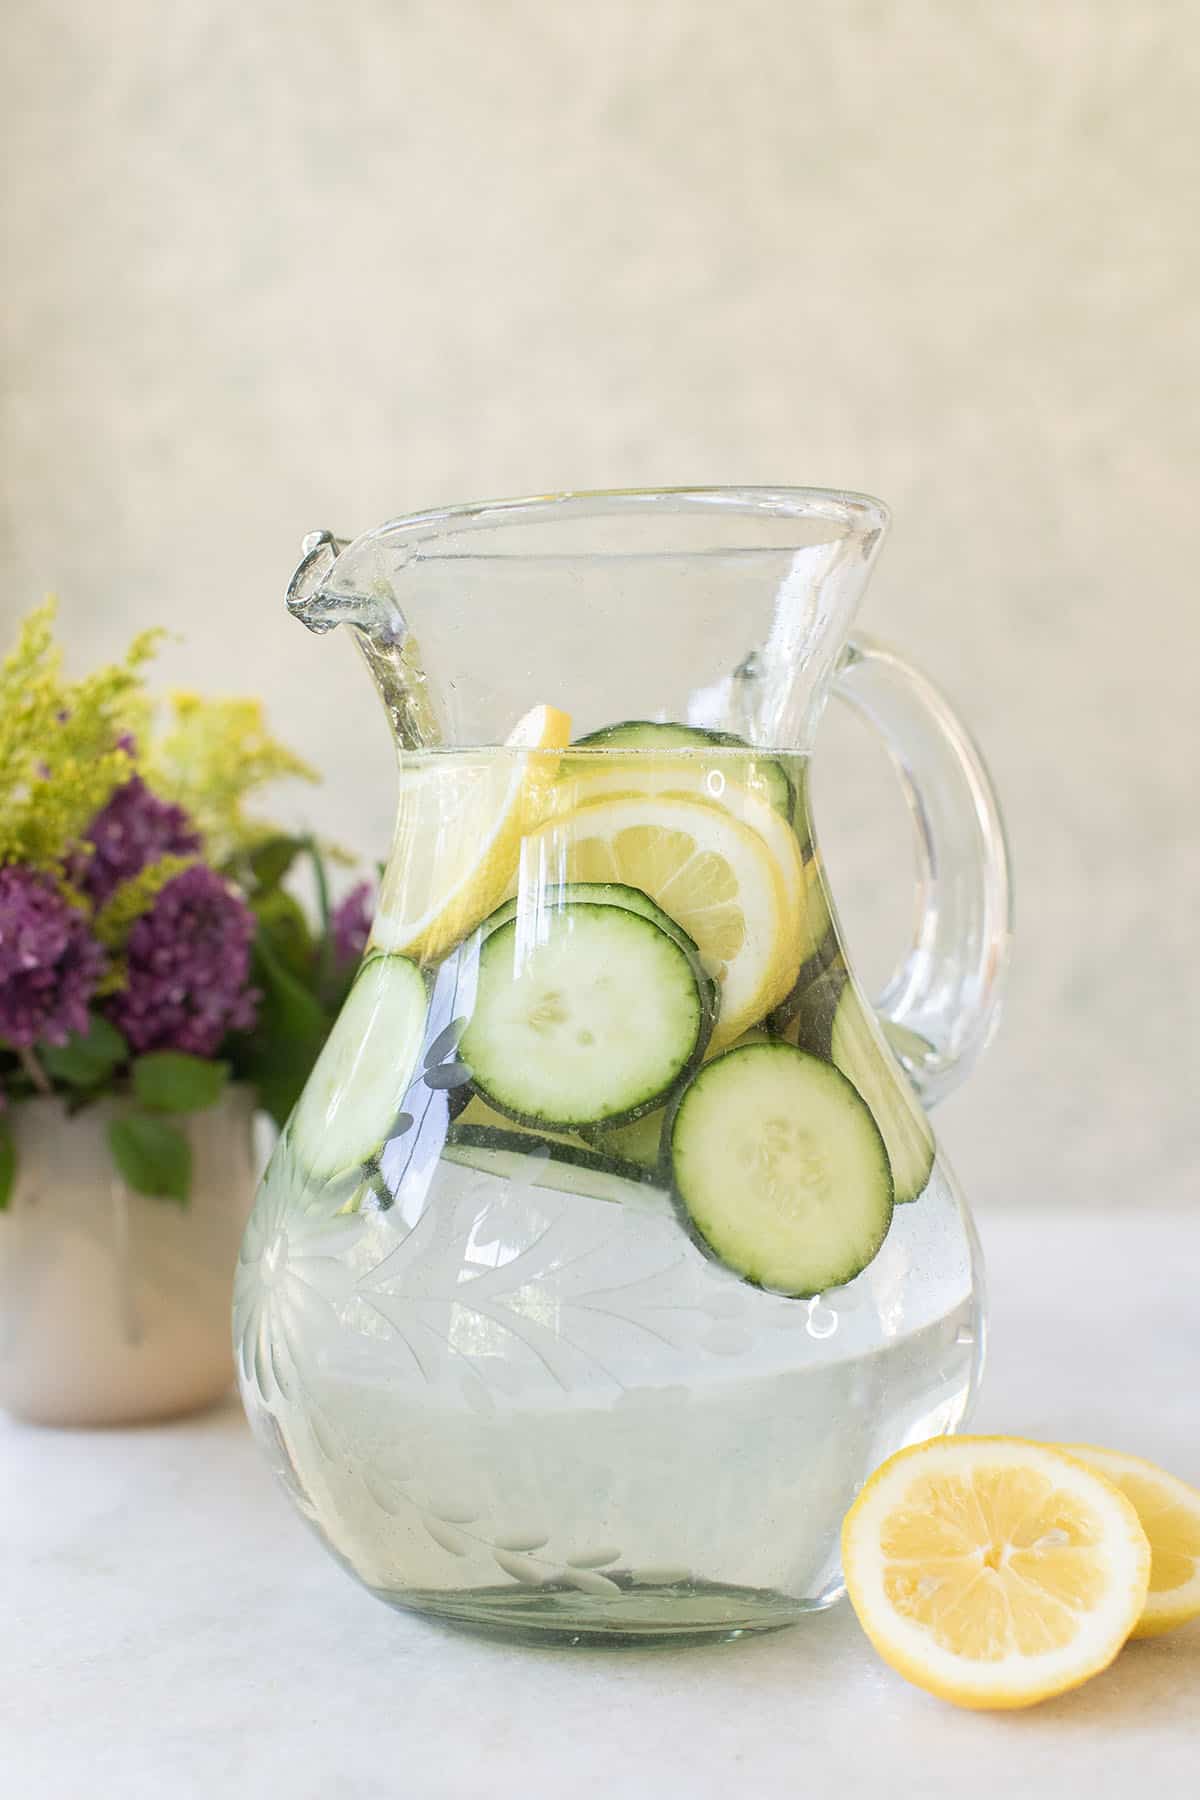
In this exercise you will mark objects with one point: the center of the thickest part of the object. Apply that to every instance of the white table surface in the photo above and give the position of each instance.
(170, 1629)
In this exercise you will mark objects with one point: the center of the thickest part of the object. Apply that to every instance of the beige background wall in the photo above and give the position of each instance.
(278, 265)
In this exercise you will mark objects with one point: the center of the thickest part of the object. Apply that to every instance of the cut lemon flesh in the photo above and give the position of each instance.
(1169, 1511)
(994, 1572)
(459, 827)
(711, 873)
(689, 778)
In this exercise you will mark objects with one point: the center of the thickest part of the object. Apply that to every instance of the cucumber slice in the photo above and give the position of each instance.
(765, 774)
(860, 1050)
(640, 1142)
(596, 893)
(401, 1171)
(818, 938)
(757, 1034)
(596, 1022)
(359, 1081)
(478, 1113)
(805, 1018)
(780, 1169)
(544, 901)
(548, 1162)
(810, 1026)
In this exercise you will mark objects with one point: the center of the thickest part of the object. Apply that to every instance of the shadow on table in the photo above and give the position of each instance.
(1152, 1682)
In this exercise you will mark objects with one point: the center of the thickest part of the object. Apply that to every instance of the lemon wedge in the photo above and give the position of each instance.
(708, 870)
(1169, 1511)
(461, 818)
(994, 1572)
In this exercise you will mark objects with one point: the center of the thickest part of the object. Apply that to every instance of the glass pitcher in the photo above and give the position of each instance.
(608, 1249)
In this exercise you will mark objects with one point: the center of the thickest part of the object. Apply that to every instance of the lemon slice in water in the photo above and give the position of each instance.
(709, 871)
(458, 835)
(994, 1572)
(691, 779)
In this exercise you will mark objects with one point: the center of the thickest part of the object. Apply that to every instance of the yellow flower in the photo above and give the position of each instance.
(65, 746)
(213, 757)
(60, 756)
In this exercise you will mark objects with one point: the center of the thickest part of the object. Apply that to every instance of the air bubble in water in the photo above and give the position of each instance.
(822, 1320)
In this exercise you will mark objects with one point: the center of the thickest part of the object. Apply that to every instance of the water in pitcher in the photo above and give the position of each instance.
(608, 1249)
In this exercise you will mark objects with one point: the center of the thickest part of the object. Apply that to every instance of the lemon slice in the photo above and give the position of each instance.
(1169, 1511)
(994, 1572)
(693, 780)
(710, 872)
(461, 818)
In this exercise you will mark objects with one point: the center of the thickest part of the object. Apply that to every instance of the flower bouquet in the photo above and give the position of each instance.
(148, 944)
(159, 980)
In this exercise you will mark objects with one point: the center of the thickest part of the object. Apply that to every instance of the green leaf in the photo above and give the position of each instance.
(282, 919)
(169, 1081)
(152, 1157)
(86, 1059)
(292, 1026)
(8, 1166)
(268, 862)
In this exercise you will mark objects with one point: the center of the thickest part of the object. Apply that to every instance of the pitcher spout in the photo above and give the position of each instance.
(311, 596)
(319, 597)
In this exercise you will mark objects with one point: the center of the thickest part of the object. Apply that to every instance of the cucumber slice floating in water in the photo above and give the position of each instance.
(597, 1021)
(354, 1093)
(534, 909)
(652, 734)
(549, 1162)
(780, 1169)
(714, 873)
(479, 1116)
(486, 1140)
(860, 1051)
(496, 1145)
(806, 1017)
(544, 900)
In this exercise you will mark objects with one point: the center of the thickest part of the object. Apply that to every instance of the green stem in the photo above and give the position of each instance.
(274, 968)
(325, 960)
(35, 1071)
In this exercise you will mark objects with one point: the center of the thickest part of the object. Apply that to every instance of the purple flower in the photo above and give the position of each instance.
(350, 924)
(49, 961)
(132, 829)
(188, 967)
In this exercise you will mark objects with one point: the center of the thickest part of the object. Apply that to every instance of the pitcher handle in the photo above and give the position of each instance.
(941, 1006)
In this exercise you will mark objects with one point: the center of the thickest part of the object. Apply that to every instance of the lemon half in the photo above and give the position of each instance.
(994, 1572)
(1169, 1511)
